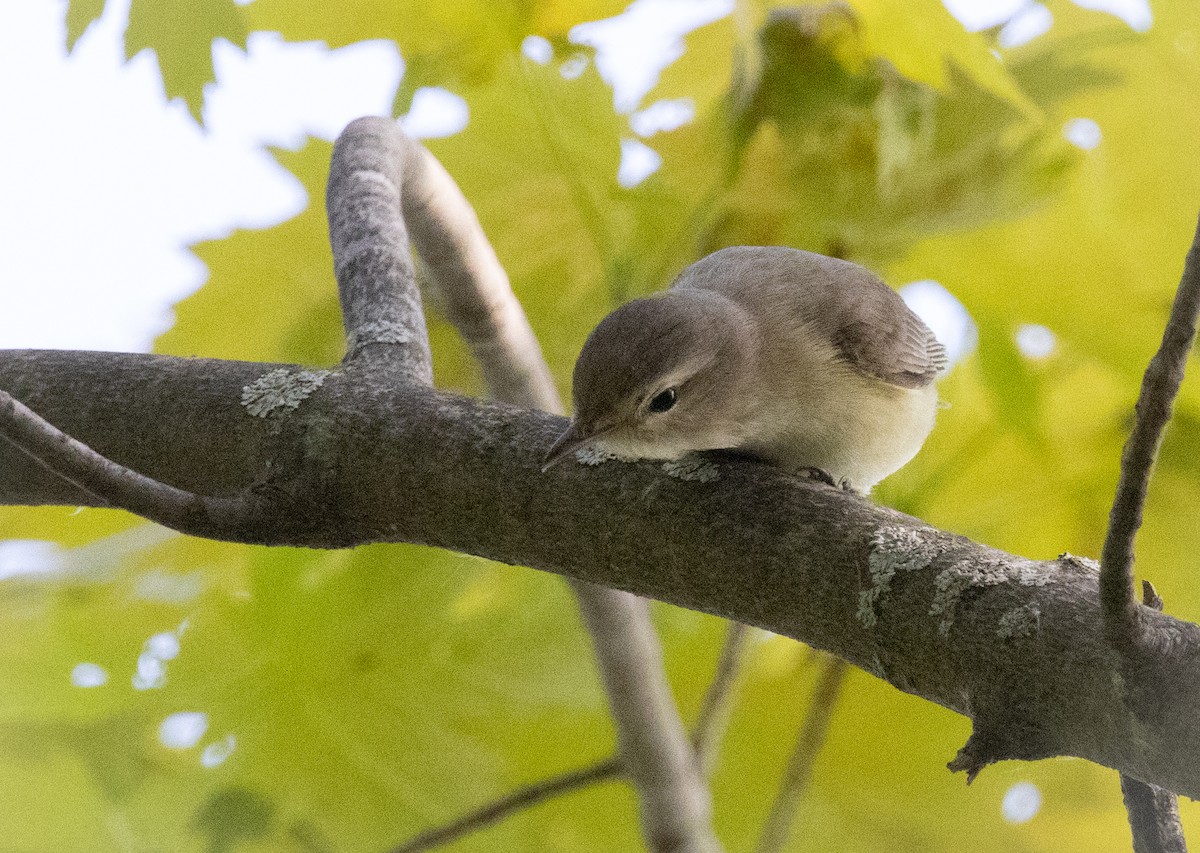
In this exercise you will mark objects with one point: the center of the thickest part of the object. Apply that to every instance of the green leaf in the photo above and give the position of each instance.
(451, 43)
(271, 294)
(838, 153)
(548, 148)
(80, 14)
(181, 33)
(924, 41)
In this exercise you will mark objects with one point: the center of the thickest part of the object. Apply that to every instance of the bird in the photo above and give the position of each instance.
(788, 357)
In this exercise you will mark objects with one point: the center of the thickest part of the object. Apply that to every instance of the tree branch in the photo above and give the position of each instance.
(1153, 812)
(713, 718)
(363, 460)
(654, 749)
(1153, 411)
(675, 803)
(804, 755)
(475, 291)
(381, 305)
(110, 484)
(524, 797)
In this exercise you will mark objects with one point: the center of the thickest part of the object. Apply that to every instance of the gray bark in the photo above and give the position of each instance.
(1016, 644)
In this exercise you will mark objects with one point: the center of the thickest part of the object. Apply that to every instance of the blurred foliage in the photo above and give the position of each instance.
(352, 699)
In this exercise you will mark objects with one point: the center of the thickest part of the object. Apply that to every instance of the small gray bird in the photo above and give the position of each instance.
(803, 361)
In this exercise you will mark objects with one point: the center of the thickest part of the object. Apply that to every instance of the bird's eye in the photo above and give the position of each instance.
(663, 401)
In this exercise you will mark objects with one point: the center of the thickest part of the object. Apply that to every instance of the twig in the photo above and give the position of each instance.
(118, 486)
(477, 296)
(1153, 812)
(800, 764)
(705, 735)
(652, 743)
(1153, 411)
(718, 699)
(524, 797)
(381, 305)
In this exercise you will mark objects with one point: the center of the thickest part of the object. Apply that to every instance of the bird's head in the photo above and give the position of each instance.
(661, 377)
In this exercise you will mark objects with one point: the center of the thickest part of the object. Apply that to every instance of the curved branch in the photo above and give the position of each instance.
(675, 803)
(475, 290)
(1159, 387)
(113, 485)
(381, 305)
(969, 627)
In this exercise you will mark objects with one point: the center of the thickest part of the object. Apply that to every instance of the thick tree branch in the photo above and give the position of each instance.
(381, 304)
(659, 762)
(364, 460)
(804, 755)
(1153, 411)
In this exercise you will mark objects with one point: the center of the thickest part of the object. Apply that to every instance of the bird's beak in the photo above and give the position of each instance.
(574, 437)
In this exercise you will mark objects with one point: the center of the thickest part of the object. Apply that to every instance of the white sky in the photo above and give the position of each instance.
(105, 182)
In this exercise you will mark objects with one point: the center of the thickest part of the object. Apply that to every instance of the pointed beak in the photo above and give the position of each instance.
(574, 437)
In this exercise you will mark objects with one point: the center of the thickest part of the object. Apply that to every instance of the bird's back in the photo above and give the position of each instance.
(846, 369)
(840, 302)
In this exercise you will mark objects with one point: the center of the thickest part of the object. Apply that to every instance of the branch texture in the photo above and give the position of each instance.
(381, 304)
(979, 631)
(1159, 388)
(657, 756)
(1153, 812)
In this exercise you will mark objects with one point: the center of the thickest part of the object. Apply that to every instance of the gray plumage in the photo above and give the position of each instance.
(802, 360)
(865, 320)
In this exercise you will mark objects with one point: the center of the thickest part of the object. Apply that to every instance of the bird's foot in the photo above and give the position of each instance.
(820, 475)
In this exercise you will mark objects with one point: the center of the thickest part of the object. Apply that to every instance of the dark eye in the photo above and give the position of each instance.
(663, 401)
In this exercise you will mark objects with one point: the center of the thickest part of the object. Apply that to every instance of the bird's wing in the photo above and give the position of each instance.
(866, 321)
(879, 335)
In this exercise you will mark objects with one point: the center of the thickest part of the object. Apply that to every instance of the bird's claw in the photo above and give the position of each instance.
(820, 475)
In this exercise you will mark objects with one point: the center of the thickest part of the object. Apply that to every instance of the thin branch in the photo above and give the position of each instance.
(713, 718)
(1153, 411)
(800, 765)
(524, 797)
(381, 305)
(114, 484)
(1153, 817)
(653, 745)
(1153, 812)
(705, 734)
(475, 290)
(658, 758)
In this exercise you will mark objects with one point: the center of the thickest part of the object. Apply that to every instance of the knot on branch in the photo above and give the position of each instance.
(1000, 736)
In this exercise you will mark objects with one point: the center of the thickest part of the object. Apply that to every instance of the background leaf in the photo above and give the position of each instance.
(181, 33)
(353, 699)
